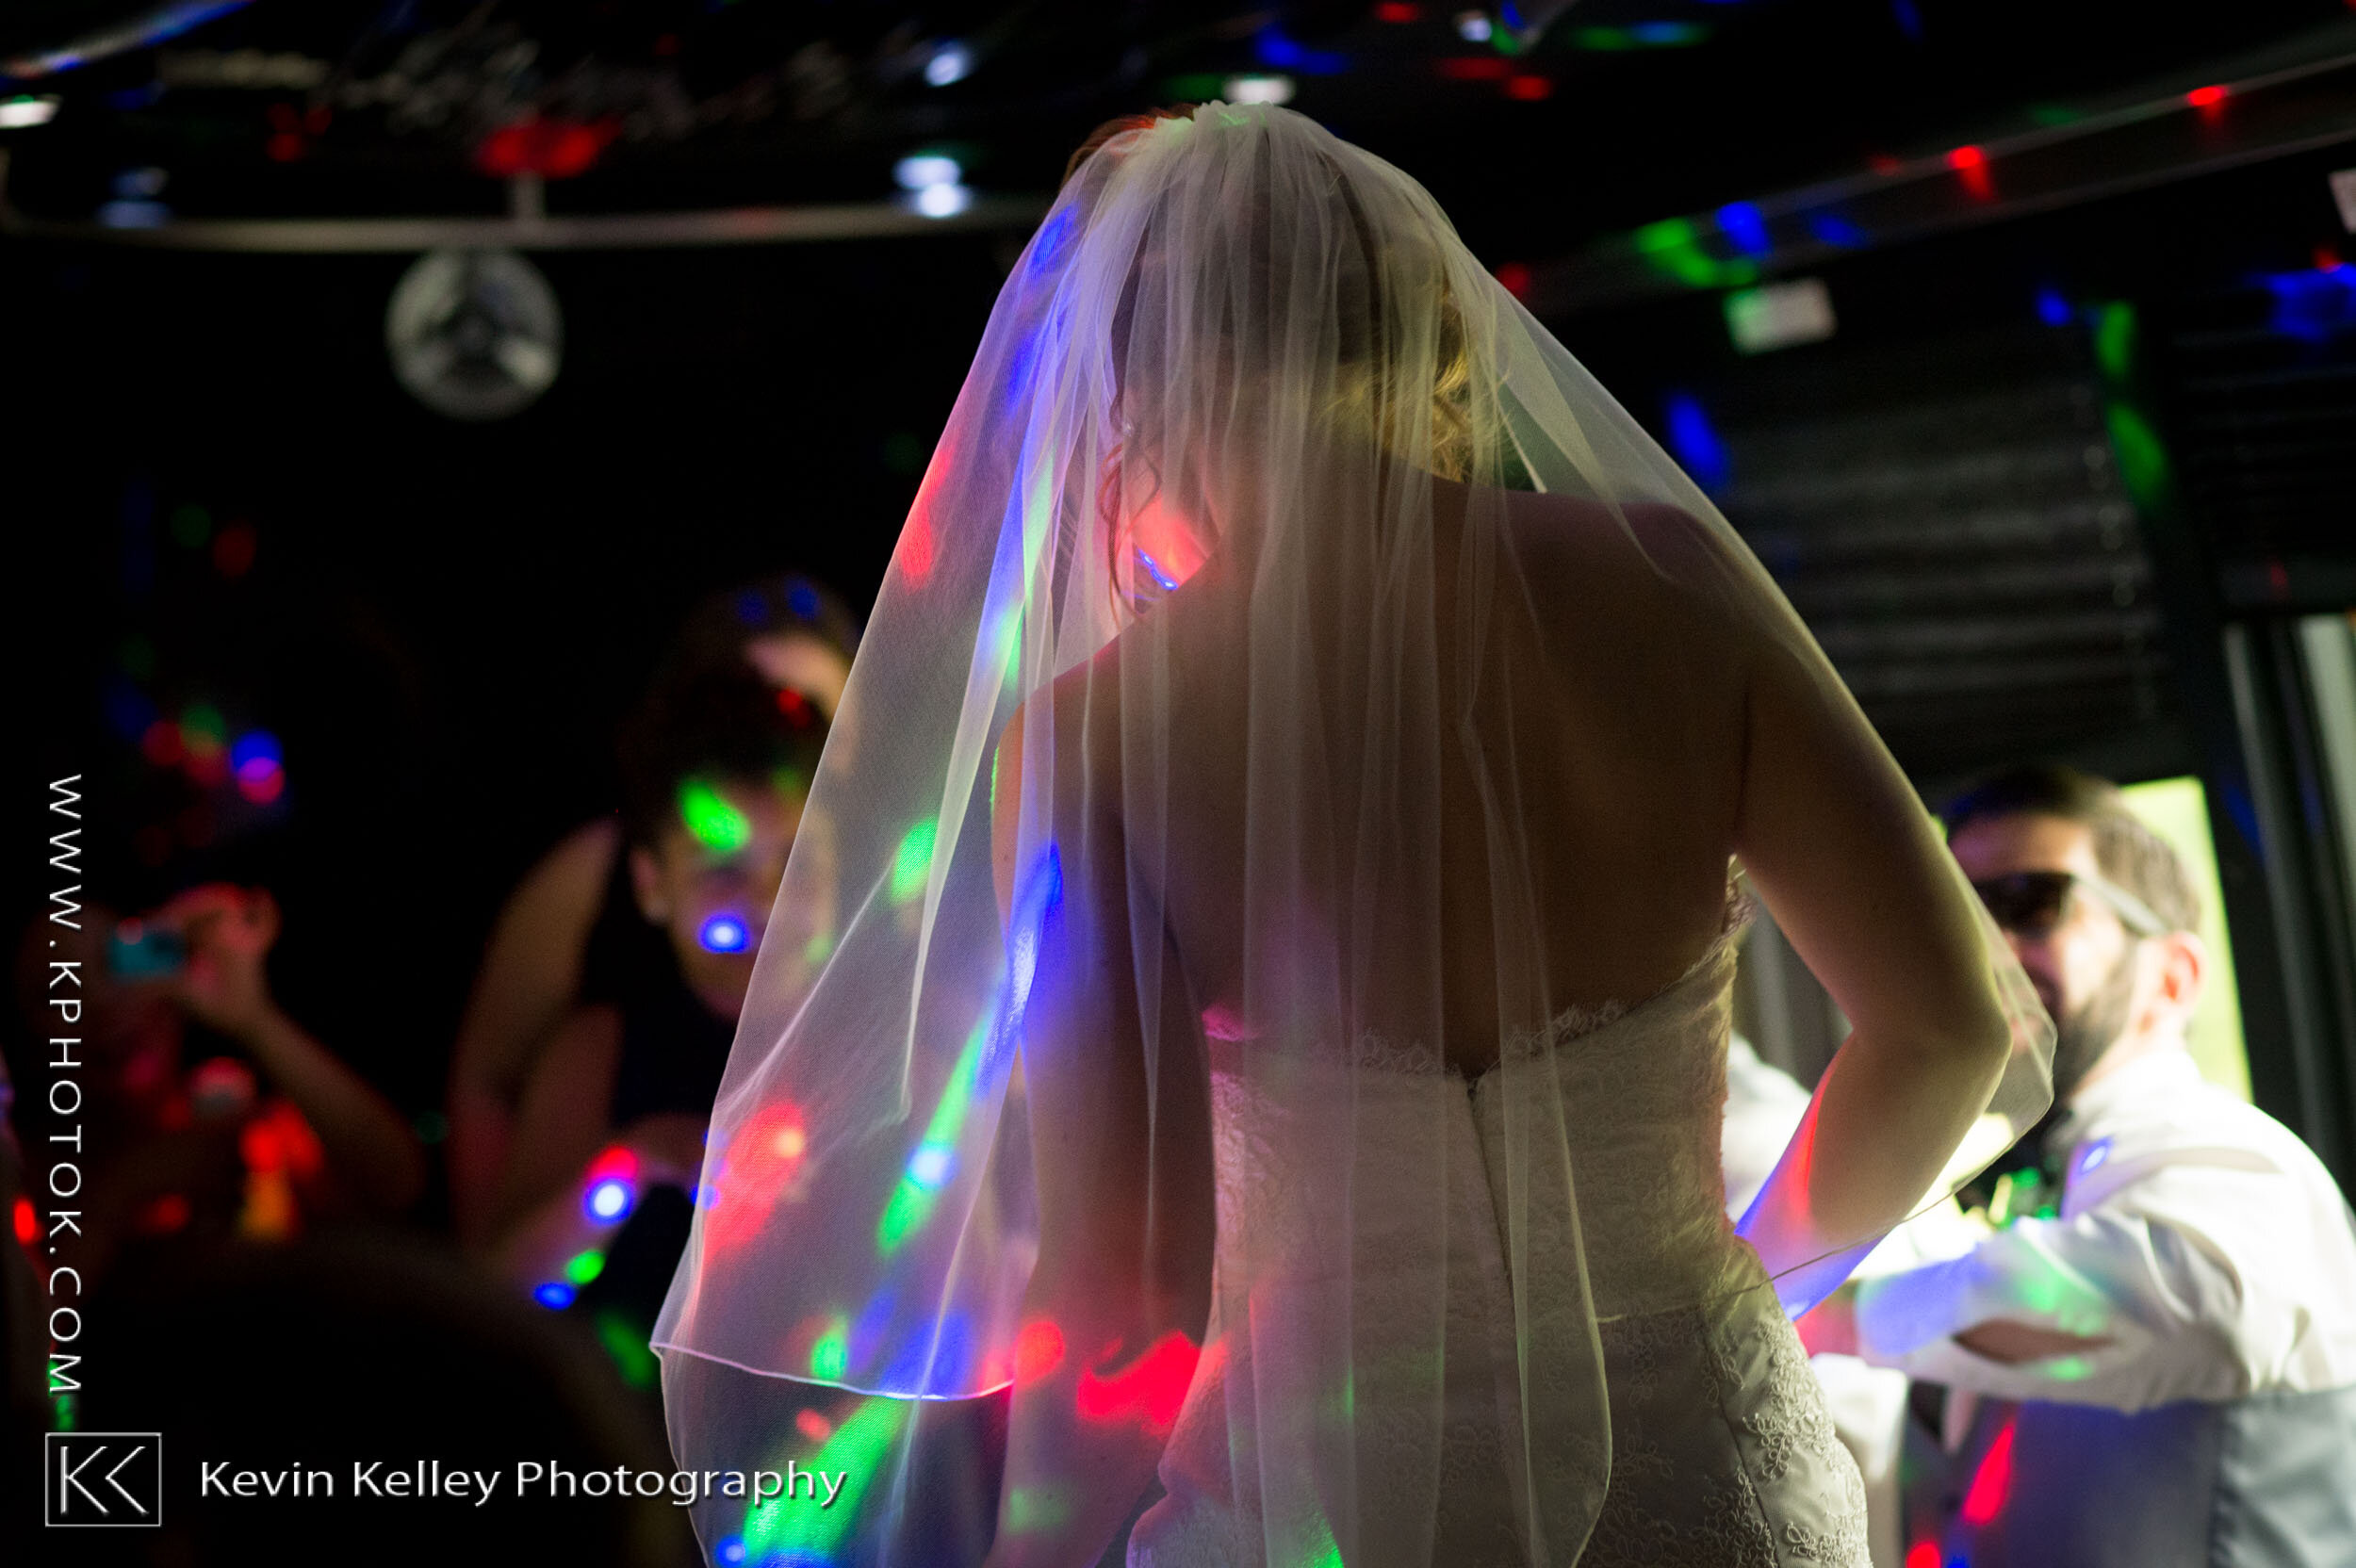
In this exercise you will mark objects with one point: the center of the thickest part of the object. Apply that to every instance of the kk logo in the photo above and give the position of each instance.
(103, 1478)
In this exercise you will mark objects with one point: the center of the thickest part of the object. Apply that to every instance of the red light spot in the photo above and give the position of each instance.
(1038, 1350)
(165, 1215)
(317, 118)
(814, 1426)
(1146, 1392)
(1475, 68)
(1923, 1554)
(2327, 259)
(285, 118)
(1972, 164)
(161, 744)
(1992, 1483)
(284, 147)
(2205, 97)
(2278, 579)
(916, 548)
(1530, 88)
(1515, 275)
(1882, 163)
(261, 781)
(614, 1163)
(1396, 11)
(756, 1169)
(27, 1223)
(556, 149)
(233, 550)
(794, 705)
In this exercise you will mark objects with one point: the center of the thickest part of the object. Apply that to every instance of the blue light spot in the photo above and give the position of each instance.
(1048, 248)
(2053, 307)
(929, 1165)
(2097, 1152)
(254, 745)
(1274, 48)
(2313, 306)
(1666, 33)
(730, 1551)
(610, 1199)
(1833, 229)
(1746, 226)
(1909, 20)
(724, 934)
(555, 1295)
(1153, 570)
(1696, 441)
(802, 599)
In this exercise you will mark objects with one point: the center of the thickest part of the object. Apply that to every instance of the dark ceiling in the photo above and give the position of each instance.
(1566, 122)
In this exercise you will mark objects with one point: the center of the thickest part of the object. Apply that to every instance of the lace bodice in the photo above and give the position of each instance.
(1720, 1451)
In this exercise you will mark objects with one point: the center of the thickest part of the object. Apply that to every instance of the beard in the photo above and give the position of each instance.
(2082, 1033)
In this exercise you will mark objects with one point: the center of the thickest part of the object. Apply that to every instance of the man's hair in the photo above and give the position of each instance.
(729, 724)
(2128, 853)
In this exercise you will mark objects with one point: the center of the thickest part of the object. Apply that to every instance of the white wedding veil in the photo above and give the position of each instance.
(1230, 737)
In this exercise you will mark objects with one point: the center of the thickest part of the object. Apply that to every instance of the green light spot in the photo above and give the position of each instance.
(192, 526)
(818, 948)
(911, 1201)
(1197, 88)
(65, 1409)
(717, 824)
(1673, 246)
(203, 719)
(625, 1346)
(2055, 114)
(2068, 1369)
(914, 863)
(787, 1532)
(2115, 341)
(1035, 1508)
(581, 1268)
(831, 1356)
(2142, 460)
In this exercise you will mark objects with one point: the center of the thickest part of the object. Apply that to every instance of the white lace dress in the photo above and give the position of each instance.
(1723, 1452)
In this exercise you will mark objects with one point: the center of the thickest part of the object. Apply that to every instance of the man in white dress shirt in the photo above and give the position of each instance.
(2175, 1349)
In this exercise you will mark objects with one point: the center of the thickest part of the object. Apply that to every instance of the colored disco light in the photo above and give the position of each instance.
(553, 149)
(2210, 101)
(1474, 27)
(555, 1295)
(943, 201)
(724, 934)
(2317, 305)
(624, 1346)
(25, 111)
(581, 1268)
(234, 549)
(1529, 89)
(614, 1162)
(731, 1552)
(1285, 54)
(1970, 166)
(1038, 1350)
(913, 864)
(1397, 11)
(923, 171)
(1696, 441)
(609, 1200)
(715, 823)
(1475, 68)
(2053, 307)
(1992, 1483)
(1147, 1392)
(1674, 246)
(813, 1537)
(830, 1356)
(814, 1426)
(1832, 229)
(951, 62)
(1746, 226)
(1258, 89)
(27, 1223)
(1923, 1554)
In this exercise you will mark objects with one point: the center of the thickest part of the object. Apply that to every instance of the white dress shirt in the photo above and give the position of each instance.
(2197, 1234)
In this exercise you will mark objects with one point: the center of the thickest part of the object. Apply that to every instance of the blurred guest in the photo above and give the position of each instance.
(715, 772)
(799, 636)
(268, 1132)
(2176, 1348)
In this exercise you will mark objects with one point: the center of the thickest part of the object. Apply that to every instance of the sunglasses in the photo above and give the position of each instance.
(2033, 903)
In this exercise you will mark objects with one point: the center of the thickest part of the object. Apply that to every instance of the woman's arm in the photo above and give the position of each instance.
(1834, 838)
(374, 1154)
(532, 971)
(1121, 1140)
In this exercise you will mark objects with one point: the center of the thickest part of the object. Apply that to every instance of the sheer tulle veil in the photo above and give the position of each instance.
(1168, 712)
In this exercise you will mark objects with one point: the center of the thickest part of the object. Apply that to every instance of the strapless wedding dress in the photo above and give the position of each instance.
(1723, 1453)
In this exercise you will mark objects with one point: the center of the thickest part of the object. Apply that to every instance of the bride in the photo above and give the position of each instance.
(1270, 1011)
